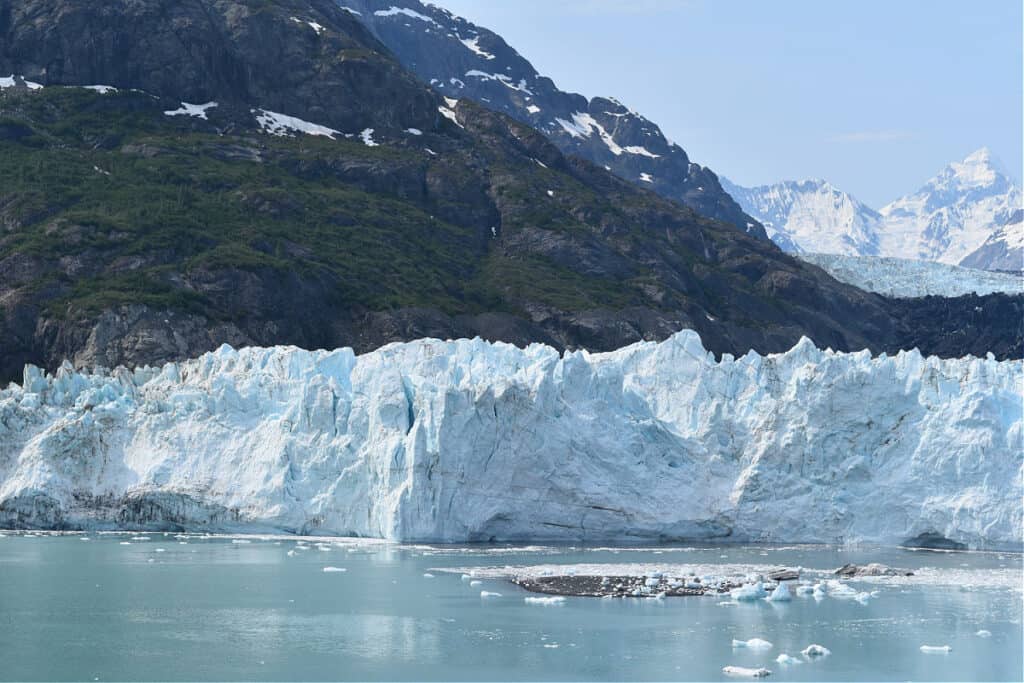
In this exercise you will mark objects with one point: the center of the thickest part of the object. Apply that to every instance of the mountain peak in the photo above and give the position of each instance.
(978, 169)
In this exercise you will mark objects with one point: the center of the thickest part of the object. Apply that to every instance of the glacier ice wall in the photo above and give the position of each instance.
(467, 440)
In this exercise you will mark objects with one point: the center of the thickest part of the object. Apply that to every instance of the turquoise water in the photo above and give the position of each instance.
(214, 609)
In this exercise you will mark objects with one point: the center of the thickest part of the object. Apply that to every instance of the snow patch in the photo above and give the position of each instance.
(195, 110)
(283, 125)
(404, 11)
(367, 137)
(472, 46)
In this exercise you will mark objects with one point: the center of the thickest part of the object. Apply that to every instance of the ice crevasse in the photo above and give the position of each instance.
(473, 441)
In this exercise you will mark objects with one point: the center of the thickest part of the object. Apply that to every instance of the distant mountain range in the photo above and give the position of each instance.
(969, 214)
(460, 59)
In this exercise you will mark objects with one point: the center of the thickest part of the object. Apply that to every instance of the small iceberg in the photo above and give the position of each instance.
(476, 583)
(815, 650)
(752, 644)
(984, 633)
(787, 660)
(749, 592)
(240, 541)
(744, 671)
(550, 600)
(489, 594)
(428, 575)
(334, 570)
(936, 649)
(804, 589)
(780, 594)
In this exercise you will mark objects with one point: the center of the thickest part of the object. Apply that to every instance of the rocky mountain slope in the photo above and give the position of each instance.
(952, 215)
(469, 441)
(460, 59)
(905, 278)
(175, 175)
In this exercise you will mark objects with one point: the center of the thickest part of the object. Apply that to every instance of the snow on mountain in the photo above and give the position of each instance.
(1004, 248)
(953, 215)
(460, 59)
(467, 440)
(905, 278)
(811, 216)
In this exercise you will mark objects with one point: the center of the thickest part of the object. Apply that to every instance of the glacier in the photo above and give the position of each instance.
(906, 278)
(454, 441)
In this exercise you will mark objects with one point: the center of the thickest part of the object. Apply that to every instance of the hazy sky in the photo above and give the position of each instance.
(874, 95)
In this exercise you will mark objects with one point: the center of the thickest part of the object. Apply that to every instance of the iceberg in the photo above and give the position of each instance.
(815, 650)
(744, 671)
(936, 649)
(748, 592)
(788, 660)
(752, 644)
(780, 594)
(456, 441)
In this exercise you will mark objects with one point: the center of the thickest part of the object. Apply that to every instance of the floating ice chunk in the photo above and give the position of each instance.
(489, 594)
(125, 543)
(334, 570)
(195, 110)
(83, 538)
(787, 660)
(936, 649)
(744, 671)
(159, 550)
(816, 651)
(983, 633)
(752, 644)
(476, 583)
(240, 541)
(725, 603)
(804, 589)
(652, 582)
(428, 575)
(549, 600)
(780, 594)
(748, 592)
(466, 577)
(291, 553)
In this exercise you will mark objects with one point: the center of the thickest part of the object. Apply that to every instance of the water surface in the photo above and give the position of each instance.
(167, 608)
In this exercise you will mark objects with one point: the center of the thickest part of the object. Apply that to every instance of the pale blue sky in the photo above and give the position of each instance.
(874, 95)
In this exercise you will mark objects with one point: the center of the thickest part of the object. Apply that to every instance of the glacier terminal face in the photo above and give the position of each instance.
(472, 441)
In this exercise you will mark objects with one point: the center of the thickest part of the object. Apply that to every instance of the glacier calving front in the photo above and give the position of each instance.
(467, 440)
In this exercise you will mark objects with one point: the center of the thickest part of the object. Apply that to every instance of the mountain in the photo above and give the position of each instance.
(906, 278)
(460, 59)
(811, 216)
(469, 441)
(951, 216)
(1004, 248)
(178, 174)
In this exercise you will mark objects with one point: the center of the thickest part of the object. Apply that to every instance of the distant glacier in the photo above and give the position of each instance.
(472, 441)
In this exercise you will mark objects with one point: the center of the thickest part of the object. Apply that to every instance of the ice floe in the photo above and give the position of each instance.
(815, 650)
(746, 672)
(936, 649)
(752, 644)
(334, 570)
(547, 600)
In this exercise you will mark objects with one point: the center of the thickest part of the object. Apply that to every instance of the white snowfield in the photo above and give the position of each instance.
(468, 440)
(905, 278)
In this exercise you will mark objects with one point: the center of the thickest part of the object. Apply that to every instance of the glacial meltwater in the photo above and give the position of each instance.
(158, 606)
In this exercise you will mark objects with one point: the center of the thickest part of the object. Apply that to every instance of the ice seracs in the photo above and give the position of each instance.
(289, 440)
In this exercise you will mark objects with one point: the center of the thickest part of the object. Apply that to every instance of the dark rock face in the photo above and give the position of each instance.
(459, 59)
(932, 540)
(131, 237)
(205, 50)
